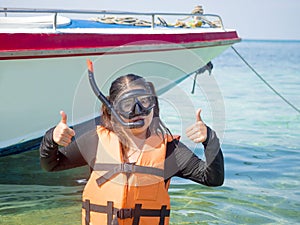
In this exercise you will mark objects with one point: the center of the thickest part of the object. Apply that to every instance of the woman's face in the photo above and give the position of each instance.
(135, 104)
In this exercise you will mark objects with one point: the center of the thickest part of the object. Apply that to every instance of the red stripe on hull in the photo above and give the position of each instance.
(16, 43)
(95, 53)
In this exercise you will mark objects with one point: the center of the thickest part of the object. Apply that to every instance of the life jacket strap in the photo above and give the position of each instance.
(124, 213)
(108, 209)
(128, 168)
(138, 212)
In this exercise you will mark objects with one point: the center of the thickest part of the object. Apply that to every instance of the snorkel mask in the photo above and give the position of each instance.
(137, 102)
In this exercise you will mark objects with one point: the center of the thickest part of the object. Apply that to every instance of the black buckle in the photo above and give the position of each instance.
(124, 168)
(128, 167)
(125, 213)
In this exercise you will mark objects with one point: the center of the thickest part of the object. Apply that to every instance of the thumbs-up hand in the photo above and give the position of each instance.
(62, 134)
(198, 131)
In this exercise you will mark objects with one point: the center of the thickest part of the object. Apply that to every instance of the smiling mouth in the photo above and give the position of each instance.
(136, 119)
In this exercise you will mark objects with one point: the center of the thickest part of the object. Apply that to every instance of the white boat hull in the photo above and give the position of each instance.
(33, 91)
(47, 72)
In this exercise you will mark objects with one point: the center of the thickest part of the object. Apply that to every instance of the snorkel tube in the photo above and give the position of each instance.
(104, 100)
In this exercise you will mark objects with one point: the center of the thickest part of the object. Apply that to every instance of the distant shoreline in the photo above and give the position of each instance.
(270, 40)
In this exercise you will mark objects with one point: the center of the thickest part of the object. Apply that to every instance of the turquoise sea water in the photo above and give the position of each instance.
(260, 137)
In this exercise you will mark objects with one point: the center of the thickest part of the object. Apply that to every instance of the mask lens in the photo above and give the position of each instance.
(145, 101)
(126, 105)
(138, 102)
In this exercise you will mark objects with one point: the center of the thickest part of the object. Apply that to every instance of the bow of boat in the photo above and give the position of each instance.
(43, 61)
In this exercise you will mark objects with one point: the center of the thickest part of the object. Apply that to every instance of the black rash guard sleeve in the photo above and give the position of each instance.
(80, 152)
(182, 162)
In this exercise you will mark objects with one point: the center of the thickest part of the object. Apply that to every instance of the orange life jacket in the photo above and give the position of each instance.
(127, 194)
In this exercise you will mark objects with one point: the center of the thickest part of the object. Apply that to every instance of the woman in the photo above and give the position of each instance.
(131, 165)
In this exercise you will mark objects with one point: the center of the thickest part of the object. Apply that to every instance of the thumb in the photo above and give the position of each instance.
(198, 115)
(63, 117)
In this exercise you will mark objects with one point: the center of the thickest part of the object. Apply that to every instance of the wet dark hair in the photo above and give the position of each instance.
(120, 85)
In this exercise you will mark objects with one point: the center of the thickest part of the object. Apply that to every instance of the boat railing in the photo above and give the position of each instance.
(213, 20)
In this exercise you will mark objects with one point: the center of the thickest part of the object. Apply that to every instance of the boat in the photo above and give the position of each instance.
(43, 55)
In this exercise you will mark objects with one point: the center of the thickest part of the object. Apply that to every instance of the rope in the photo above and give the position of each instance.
(197, 10)
(198, 19)
(124, 21)
(264, 81)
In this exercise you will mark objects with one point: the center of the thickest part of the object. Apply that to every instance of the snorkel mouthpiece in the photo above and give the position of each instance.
(104, 100)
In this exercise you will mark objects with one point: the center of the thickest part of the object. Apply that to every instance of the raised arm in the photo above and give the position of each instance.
(59, 152)
(184, 163)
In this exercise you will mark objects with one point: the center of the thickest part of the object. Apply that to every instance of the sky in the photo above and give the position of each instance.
(253, 19)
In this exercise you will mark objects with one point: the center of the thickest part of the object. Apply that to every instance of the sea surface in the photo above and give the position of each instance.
(259, 133)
